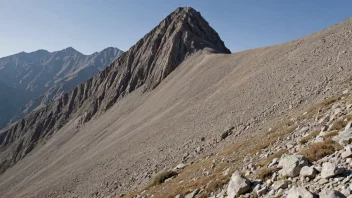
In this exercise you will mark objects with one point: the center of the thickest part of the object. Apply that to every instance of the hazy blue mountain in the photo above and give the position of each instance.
(42, 76)
(10, 100)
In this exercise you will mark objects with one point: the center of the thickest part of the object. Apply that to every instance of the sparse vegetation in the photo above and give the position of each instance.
(214, 185)
(161, 177)
(264, 173)
(266, 161)
(331, 134)
(316, 151)
(309, 137)
(270, 138)
(338, 124)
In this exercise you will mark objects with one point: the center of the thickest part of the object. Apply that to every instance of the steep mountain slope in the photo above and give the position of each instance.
(149, 129)
(148, 62)
(48, 75)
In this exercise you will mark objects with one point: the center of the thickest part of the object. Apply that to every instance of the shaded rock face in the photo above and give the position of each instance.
(291, 165)
(147, 63)
(44, 76)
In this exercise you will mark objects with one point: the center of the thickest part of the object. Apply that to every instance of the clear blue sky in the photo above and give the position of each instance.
(91, 26)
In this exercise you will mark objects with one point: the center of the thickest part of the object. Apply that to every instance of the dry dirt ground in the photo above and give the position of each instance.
(147, 132)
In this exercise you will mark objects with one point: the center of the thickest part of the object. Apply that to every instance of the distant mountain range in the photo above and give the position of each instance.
(29, 81)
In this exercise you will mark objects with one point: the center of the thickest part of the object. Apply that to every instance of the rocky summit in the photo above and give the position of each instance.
(177, 115)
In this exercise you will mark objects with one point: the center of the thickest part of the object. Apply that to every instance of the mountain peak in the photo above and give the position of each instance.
(190, 21)
(178, 36)
(70, 50)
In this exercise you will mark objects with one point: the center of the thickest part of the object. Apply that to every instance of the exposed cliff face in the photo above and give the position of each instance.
(147, 63)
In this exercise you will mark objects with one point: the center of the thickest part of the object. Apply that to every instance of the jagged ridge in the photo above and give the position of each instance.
(147, 63)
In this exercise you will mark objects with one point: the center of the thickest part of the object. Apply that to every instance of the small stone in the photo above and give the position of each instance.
(323, 181)
(180, 166)
(273, 162)
(330, 170)
(279, 193)
(198, 149)
(262, 191)
(281, 184)
(309, 172)
(192, 194)
(345, 135)
(330, 194)
(347, 153)
(272, 192)
(346, 192)
(299, 192)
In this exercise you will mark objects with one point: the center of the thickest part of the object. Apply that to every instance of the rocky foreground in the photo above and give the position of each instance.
(311, 156)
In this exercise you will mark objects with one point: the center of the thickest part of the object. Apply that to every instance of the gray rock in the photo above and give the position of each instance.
(347, 153)
(323, 181)
(299, 192)
(346, 192)
(192, 194)
(346, 135)
(330, 170)
(238, 185)
(180, 166)
(291, 165)
(279, 193)
(348, 126)
(262, 191)
(307, 171)
(281, 184)
(273, 162)
(272, 192)
(331, 194)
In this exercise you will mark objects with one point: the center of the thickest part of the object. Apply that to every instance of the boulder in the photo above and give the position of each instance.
(331, 194)
(291, 165)
(307, 171)
(238, 185)
(330, 170)
(299, 192)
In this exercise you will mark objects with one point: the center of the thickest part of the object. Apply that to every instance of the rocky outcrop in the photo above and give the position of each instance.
(238, 185)
(181, 34)
(291, 165)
